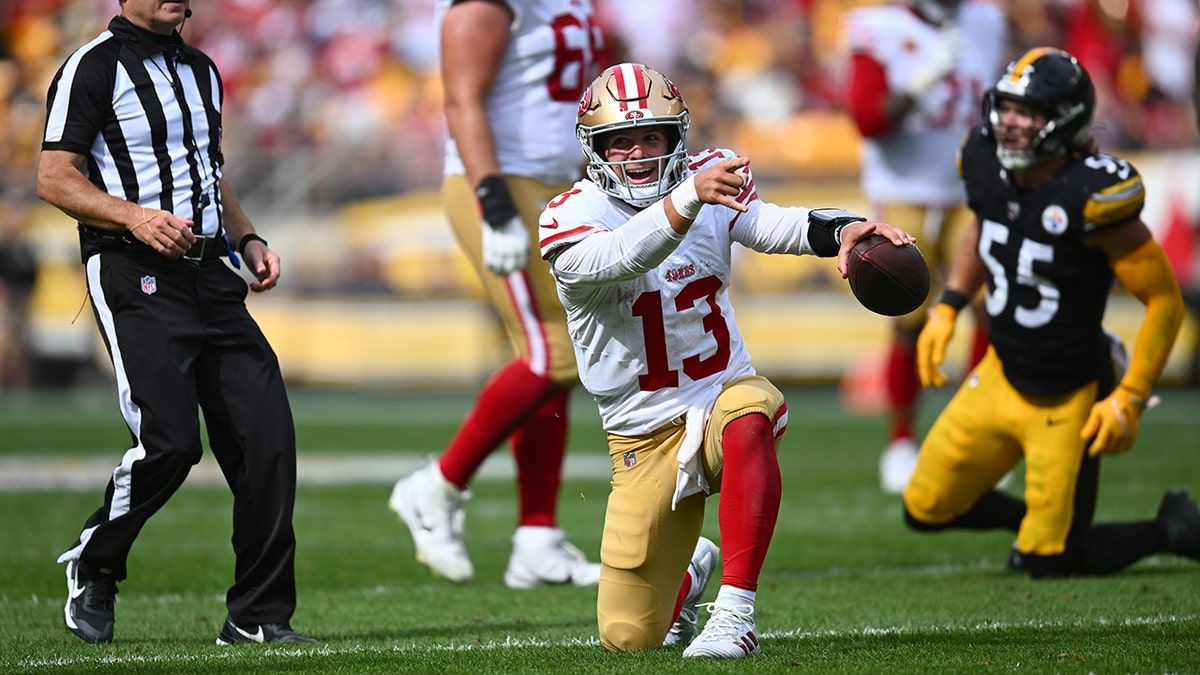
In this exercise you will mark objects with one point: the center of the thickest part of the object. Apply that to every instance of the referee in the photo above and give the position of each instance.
(132, 151)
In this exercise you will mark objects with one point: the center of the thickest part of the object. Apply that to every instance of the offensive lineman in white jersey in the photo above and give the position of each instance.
(512, 71)
(641, 254)
(918, 70)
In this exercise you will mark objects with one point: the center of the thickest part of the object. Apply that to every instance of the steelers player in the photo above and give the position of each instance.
(1056, 222)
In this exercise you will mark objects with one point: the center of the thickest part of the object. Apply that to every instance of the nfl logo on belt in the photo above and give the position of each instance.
(149, 285)
(630, 459)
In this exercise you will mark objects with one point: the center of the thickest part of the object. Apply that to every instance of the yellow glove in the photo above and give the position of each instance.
(931, 344)
(1112, 426)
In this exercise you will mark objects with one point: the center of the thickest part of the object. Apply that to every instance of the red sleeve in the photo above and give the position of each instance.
(867, 94)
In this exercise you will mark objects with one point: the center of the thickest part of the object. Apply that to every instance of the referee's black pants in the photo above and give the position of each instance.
(181, 339)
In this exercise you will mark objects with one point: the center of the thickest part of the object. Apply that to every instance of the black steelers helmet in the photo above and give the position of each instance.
(1053, 82)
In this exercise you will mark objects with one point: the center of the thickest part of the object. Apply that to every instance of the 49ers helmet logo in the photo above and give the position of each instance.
(671, 88)
(585, 102)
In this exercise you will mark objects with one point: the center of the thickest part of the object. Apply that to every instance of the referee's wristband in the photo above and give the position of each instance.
(954, 299)
(246, 239)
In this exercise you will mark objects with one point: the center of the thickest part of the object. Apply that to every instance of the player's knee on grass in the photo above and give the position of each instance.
(644, 552)
(917, 524)
(629, 636)
(924, 509)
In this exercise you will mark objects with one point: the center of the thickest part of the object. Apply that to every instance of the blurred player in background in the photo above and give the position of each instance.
(513, 71)
(641, 255)
(918, 70)
(1057, 222)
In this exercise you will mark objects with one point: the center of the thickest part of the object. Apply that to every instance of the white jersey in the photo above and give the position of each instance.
(915, 163)
(549, 61)
(649, 314)
(653, 328)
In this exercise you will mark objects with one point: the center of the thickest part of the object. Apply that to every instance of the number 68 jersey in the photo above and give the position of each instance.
(1046, 290)
(550, 58)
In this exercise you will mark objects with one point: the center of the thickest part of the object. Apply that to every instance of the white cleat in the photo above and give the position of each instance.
(728, 634)
(542, 555)
(432, 508)
(702, 566)
(896, 465)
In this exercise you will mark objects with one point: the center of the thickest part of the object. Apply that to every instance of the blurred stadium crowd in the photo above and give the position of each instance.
(332, 102)
(336, 100)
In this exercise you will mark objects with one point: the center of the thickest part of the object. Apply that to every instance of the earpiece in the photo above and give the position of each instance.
(187, 13)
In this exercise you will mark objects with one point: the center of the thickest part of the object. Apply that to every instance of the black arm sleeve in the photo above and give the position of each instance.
(825, 230)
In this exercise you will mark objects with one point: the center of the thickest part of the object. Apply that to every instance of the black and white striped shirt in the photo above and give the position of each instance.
(145, 110)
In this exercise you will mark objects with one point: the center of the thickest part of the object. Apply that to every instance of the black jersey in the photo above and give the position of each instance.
(1047, 291)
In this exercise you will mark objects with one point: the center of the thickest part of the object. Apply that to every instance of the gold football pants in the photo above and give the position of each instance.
(981, 435)
(646, 545)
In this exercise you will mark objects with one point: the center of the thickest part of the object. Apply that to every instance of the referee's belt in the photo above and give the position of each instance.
(207, 248)
(98, 239)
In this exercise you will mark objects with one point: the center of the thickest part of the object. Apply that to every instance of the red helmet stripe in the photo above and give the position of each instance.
(631, 85)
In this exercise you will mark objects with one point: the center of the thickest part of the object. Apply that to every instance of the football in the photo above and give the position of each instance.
(888, 279)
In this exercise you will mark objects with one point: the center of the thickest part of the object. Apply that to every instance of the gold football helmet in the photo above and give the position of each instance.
(625, 96)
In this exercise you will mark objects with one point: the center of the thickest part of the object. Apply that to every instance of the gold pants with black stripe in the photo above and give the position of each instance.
(985, 430)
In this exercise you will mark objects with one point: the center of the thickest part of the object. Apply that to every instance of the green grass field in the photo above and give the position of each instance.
(846, 588)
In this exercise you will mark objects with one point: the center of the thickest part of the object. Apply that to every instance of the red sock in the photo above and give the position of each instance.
(507, 400)
(979, 345)
(903, 387)
(684, 589)
(750, 494)
(538, 446)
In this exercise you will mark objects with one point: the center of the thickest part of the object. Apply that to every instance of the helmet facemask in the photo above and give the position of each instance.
(1049, 142)
(623, 97)
(610, 176)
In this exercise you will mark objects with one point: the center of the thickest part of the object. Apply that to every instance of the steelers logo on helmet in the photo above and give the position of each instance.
(631, 95)
(1052, 82)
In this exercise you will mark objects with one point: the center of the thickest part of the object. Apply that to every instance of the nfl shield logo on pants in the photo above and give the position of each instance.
(149, 285)
(630, 459)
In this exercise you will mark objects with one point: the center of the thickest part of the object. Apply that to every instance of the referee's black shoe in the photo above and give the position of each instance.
(1181, 519)
(267, 633)
(90, 598)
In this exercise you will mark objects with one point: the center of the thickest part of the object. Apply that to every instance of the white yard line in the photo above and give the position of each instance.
(90, 472)
(220, 655)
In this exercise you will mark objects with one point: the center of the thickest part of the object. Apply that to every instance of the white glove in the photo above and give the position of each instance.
(505, 248)
(505, 239)
(940, 59)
